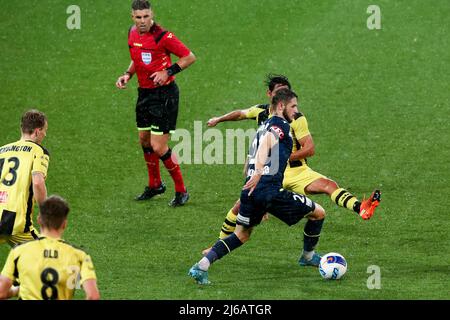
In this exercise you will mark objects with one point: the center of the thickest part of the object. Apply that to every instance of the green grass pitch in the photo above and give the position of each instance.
(378, 106)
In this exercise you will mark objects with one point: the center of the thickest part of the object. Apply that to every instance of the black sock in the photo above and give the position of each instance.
(357, 207)
(147, 150)
(166, 155)
(222, 247)
(311, 234)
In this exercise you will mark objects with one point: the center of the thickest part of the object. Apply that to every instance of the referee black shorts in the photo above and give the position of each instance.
(157, 109)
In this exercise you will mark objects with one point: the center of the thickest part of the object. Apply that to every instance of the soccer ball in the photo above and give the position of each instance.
(332, 266)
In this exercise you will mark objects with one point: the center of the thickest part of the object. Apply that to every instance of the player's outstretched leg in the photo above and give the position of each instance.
(338, 195)
(365, 209)
(368, 206)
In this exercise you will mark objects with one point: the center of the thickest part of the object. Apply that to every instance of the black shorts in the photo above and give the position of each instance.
(157, 109)
(286, 205)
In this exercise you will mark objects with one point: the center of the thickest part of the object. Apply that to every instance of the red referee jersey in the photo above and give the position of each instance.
(151, 51)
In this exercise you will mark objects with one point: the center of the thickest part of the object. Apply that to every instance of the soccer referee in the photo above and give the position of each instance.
(151, 47)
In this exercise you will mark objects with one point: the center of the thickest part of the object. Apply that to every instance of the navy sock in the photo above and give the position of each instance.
(222, 247)
(311, 234)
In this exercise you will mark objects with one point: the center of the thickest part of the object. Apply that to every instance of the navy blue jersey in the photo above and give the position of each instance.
(276, 163)
(268, 196)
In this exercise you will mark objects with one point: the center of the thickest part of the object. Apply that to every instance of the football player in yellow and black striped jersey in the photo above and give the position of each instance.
(49, 268)
(298, 177)
(23, 170)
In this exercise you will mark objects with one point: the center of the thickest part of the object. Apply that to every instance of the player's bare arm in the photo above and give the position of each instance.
(39, 188)
(122, 81)
(231, 116)
(307, 149)
(7, 290)
(267, 143)
(160, 77)
(91, 290)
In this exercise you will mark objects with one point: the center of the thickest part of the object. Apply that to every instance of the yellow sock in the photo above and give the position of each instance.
(344, 199)
(228, 225)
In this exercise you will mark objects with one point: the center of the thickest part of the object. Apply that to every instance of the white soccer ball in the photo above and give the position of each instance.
(332, 266)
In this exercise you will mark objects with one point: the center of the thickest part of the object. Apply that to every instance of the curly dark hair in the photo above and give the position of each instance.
(274, 79)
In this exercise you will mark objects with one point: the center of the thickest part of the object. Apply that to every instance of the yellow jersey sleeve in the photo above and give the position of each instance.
(87, 271)
(40, 162)
(300, 127)
(253, 112)
(9, 270)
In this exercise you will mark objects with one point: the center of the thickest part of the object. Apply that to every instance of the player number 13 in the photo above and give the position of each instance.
(12, 170)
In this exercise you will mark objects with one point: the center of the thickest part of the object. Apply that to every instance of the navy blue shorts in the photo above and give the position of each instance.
(287, 206)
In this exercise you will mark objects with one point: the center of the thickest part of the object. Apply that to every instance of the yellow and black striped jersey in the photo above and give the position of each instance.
(299, 130)
(259, 112)
(18, 161)
(48, 268)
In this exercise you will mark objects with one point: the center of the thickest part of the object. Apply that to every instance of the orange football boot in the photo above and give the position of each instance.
(368, 206)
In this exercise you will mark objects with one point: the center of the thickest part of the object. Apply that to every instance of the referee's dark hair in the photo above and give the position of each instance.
(283, 95)
(140, 5)
(274, 79)
(53, 211)
(32, 119)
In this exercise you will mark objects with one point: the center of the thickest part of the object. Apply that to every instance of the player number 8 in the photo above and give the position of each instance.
(49, 278)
